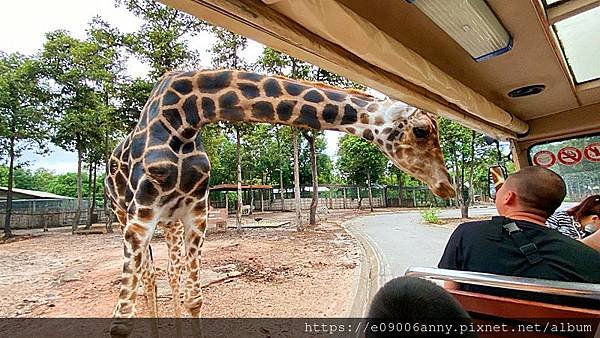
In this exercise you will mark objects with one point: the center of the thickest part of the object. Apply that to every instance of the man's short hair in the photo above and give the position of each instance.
(414, 300)
(538, 189)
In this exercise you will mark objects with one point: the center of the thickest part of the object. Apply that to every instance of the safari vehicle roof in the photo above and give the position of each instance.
(393, 47)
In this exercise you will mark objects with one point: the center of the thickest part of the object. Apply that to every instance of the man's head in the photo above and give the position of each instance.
(534, 190)
(414, 300)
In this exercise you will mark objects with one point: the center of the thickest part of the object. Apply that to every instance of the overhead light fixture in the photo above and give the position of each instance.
(471, 23)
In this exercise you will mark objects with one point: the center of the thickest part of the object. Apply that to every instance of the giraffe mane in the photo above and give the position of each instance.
(318, 84)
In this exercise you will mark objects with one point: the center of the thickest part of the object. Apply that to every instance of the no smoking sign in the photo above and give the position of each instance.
(544, 159)
(592, 152)
(569, 156)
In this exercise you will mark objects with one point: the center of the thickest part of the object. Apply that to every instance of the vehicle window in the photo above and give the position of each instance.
(577, 160)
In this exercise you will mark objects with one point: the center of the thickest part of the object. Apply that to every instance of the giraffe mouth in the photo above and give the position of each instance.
(443, 189)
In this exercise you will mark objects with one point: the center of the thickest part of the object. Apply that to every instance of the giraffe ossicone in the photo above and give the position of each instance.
(159, 174)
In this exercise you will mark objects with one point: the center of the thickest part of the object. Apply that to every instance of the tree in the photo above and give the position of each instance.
(468, 157)
(79, 71)
(161, 39)
(227, 54)
(360, 161)
(227, 51)
(310, 137)
(24, 123)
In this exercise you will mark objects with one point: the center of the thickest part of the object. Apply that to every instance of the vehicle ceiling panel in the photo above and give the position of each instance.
(531, 61)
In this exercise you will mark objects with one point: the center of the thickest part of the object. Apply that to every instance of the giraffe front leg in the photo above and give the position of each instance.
(137, 237)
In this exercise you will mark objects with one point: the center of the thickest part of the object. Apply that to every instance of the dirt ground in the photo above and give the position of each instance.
(275, 272)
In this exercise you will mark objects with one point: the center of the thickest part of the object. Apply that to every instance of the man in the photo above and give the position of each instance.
(519, 244)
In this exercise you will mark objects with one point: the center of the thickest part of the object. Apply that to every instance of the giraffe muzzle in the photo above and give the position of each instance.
(443, 189)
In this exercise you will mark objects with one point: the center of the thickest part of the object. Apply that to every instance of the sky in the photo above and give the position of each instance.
(23, 25)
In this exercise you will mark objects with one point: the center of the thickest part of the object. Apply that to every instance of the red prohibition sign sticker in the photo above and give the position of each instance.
(569, 156)
(544, 159)
(592, 152)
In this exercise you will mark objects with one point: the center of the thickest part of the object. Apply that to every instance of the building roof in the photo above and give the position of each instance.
(36, 194)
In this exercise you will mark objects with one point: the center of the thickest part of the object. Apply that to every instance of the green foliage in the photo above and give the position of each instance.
(358, 159)
(161, 40)
(431, 215)
(24, 121)
(226, 52)
(48, 181)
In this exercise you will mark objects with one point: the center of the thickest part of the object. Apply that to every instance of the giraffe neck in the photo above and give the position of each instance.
(229, 95)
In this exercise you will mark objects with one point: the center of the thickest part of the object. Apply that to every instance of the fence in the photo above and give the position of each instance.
(49, 219)
(336, 197)
(47, 213)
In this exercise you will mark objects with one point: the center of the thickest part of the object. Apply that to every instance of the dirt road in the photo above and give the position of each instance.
(281, 273)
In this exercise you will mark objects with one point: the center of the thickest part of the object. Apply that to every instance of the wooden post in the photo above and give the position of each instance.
(344, 201)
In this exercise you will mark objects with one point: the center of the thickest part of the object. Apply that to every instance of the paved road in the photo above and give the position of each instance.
(401, 240)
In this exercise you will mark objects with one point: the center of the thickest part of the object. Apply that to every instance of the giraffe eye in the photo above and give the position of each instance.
(421, 132)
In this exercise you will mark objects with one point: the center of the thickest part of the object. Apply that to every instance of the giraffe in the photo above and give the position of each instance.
(118, 168)
(159, 174)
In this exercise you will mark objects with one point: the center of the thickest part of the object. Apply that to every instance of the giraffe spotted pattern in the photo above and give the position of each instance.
(159, 174)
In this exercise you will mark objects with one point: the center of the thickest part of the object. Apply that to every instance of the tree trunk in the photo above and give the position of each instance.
(281, 190)
(469, 200)
(297, 200)
(315, 180)
(79, 193)
(370, 191)
(251, 199)
(94, 189)
(88, 223)
(9, 193)
(358, 196)
(464, 207)
(456, 178)
(280, 171)
(238, 214)
(400, 189)
(107, 208)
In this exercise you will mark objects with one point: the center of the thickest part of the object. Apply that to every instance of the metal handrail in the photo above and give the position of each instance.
(586, 290)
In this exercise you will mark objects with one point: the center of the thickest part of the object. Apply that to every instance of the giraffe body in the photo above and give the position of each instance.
(159, 174)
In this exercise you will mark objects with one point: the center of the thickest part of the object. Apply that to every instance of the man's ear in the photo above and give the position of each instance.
(510, 197)
(595, 218)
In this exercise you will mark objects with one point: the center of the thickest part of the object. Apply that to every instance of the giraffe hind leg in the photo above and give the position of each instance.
(174, 237)
(194, 230)
(149, 282)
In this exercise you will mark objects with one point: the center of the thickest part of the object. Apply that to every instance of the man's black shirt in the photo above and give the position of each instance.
(485, 247)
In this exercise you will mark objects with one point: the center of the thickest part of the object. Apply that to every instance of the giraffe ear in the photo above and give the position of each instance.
(408, 111)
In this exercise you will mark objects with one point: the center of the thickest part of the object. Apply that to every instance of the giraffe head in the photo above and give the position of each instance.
(409, 137)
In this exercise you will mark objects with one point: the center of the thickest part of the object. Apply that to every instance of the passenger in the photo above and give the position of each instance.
(410, 300)
(519, 244)
(580, 221)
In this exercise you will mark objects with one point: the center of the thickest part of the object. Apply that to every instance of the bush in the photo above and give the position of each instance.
(431, 215)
